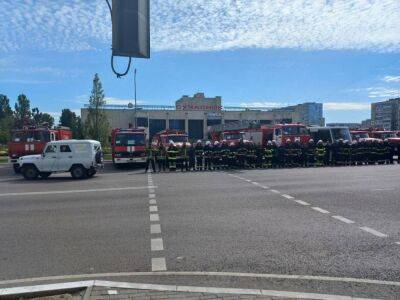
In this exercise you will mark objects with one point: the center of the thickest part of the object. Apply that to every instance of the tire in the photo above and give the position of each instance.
(45, 175)
(91, 173)
(17, 169)
(78, 172)
(30, 172)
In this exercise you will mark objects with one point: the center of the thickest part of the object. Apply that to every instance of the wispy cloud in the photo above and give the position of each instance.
(118, 101)
(346, 106)
(198, 25)
(391, 78)
(262, 104)
(382, 92)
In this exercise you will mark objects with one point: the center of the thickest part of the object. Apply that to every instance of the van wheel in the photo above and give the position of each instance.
(16, 168)
(30, 172)
(45, 175)
(78, 172)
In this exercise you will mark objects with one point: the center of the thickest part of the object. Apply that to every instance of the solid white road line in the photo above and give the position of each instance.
(373, 231)
(154, 218)
(152, 201)
(153, 208)
(287, 196)
(157, 244)
(319, 209)
(73, 191)
(345, 220)
(158, 264)
(155, 229)
(302, 202)
(206, 274)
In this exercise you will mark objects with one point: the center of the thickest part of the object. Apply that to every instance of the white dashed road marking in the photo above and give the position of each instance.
(153, 208)
(158, 264)
(275, 191)
(319, 209)
(398, 243)
(287, 196)
(152, 201)
(345, 220)
(374, 232)
(302, 202)
(157, 244)
(154, 218)
(155, 229)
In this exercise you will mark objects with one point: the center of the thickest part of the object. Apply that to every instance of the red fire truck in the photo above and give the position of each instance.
(32, 140)
(177, 136)
(260, 135)
(128, 146)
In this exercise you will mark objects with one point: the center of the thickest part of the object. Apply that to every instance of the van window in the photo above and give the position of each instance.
(51, 149)
(65, 148)
(82, 148)
(278, 132)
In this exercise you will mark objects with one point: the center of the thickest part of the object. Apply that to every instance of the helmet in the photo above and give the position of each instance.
(171, 143)
(232, 144)
(311, 141)
(320, 142)
(288, 140)
(208, 143)
(216, 143)
(198, 142)
(224, 142)
(269, 143)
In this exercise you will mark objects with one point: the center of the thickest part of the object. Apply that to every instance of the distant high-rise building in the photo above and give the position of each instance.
(386, 114)
(309, 113)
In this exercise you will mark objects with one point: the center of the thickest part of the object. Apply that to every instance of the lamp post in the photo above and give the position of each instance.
(135, 109)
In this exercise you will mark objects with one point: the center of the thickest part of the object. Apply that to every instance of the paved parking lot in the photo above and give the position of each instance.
(331, 222)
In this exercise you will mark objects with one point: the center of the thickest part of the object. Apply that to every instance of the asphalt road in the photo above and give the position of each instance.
(339, 222)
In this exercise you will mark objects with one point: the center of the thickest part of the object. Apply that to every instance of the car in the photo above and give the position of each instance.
(82, 158)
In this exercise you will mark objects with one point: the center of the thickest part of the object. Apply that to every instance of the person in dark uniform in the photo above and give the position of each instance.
(216, 156)
(150, 159)
(199, 155)
(172, 155)
(309, 150)
(208, 151)
(161, 157)
(232, 159)
(192, 158)
(184, 156)
(225, 154)
(320, 154)
(241, 154)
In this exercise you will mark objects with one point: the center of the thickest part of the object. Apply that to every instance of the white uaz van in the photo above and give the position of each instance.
(80, 157)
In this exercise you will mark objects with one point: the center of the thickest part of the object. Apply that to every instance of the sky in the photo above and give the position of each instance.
(269, 53)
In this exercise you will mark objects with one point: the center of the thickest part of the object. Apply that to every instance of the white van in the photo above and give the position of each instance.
(80, 157)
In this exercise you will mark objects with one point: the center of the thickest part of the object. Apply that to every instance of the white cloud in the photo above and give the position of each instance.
(382, 92)
(198, 25)
(262, 104)
(117, 101)
(336, 106)
(391, 78)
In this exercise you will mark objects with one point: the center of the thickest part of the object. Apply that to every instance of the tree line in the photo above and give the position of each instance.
(95, 127)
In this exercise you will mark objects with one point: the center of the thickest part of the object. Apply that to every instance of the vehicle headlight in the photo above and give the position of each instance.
(14, 155)
(118, 155)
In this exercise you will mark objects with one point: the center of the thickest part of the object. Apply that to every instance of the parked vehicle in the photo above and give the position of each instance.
(128, 146)
(330, 134)
(32, 140)
(177, 136)
(80, 157)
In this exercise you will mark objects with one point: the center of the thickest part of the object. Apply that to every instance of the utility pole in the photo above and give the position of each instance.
(135, 111)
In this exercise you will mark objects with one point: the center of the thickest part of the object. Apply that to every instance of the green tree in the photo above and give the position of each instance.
(22, 112)
(70, 119)
(6, 119)
(96, 125)
(39, 118)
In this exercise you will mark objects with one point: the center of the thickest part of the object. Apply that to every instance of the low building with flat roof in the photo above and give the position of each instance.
(195, 114)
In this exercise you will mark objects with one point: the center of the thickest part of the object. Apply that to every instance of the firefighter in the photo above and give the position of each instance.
(161, 157)
(241, 154)
(309, 151)
(280, 155)
(275, 155)
(184, 156)
(192, 158)
(289, 153)
(216, 156)
(208, 153)
(320, 154)
(232, 155)
(150, 159)
(250, 154)
(199, 155)
(373, 152)
(172, 154)
(259, 151)
(268, 155)
(225, 154)
(353, 153)
(390, 151)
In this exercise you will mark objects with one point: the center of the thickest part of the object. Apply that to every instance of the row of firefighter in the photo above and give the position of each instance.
(246, 154)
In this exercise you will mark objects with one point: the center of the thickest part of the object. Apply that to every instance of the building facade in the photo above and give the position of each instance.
(386, 114)
(195, 114)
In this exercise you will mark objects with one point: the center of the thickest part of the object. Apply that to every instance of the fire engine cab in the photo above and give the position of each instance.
(32, 140)
(260, 134)
(128, 146)
(162, 138)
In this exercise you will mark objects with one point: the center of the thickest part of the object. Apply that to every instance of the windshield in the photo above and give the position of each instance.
(362, 135)
(294, 130)
(129, 139)
(341, 133)
(387, 135)
(177, 138)
(232, 136)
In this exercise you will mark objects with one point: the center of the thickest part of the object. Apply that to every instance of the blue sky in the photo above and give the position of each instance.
(345, 54)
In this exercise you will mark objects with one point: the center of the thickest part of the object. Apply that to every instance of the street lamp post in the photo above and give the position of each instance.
(135, 109)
